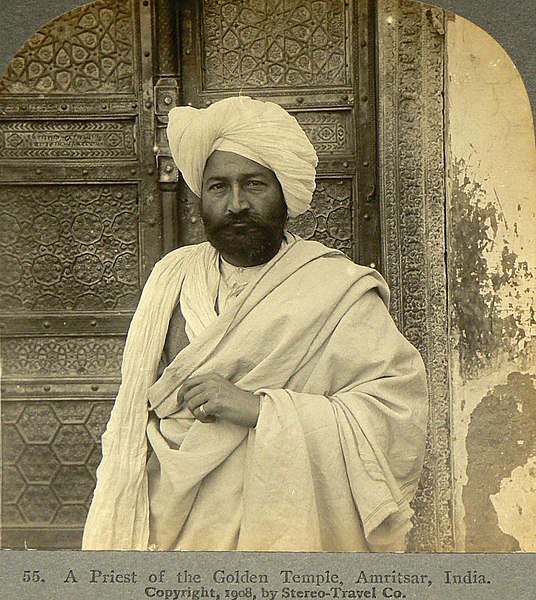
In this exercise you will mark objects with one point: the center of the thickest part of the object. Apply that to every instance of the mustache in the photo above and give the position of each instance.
(241, 218)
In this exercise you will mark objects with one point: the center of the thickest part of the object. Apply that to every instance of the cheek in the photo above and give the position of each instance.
(275, 207)
(269, 204)
(211, 209)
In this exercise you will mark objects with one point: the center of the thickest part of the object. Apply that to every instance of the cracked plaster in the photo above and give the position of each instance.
(492, 291)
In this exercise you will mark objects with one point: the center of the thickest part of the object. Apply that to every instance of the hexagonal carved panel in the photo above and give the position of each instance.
(97, 421)
(51, 450)
(38, 464)
(12, 443)
(72, 444)
(38, 505)
(73, 484)
(12, 484)
(38, 423)
(71, 513)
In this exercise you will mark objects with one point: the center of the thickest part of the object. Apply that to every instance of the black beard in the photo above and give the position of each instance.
(244, 239)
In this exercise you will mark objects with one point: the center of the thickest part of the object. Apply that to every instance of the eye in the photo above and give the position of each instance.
(255, 184)
(216, 186)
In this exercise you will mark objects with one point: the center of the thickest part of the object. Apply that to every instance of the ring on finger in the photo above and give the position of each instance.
(203, 411)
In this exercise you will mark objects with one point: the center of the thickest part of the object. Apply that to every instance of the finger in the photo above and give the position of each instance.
(199, 379)
(189, 385)
(211, 384)
(197, 401)
(202, 414)
(206, 391)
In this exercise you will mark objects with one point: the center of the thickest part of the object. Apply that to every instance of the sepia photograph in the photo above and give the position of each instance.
(267, 281)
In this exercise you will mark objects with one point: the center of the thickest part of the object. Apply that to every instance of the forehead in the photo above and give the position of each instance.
(229, 164)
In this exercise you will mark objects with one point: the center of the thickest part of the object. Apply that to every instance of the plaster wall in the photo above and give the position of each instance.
(491, 260)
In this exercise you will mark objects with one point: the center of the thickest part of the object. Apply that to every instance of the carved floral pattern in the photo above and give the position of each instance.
(88, 50)
(411, 148)
(328, 131)
(62, 356)
(329, 220)
(91, 139)
(283, 43)
(71, 247)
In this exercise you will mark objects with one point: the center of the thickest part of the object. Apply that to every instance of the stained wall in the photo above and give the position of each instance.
(491, 261)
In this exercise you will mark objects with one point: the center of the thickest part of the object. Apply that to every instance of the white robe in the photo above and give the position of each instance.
(336, 454)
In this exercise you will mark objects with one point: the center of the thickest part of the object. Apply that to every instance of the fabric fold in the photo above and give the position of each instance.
(336, 454)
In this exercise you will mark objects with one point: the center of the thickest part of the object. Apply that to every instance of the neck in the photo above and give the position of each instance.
(239, 260)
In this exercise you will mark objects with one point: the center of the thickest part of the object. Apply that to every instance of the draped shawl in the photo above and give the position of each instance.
(312, 334)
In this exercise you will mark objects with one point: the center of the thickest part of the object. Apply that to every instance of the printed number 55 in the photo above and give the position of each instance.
(31, 576)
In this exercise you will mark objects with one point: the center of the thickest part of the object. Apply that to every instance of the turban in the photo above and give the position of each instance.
(260, 131)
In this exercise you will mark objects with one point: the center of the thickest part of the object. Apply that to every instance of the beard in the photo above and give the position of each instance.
(246, 239)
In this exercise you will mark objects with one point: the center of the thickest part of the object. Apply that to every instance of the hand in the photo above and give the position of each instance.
(220, 399)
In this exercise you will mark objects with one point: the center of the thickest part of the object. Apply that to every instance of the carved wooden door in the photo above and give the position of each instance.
(90, 199)
(315, 58)
(82, 115)
(78, 235)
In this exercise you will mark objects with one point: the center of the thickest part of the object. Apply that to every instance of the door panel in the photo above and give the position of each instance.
(90, 199)
(79, 217)
(307, 56)
(275, 44)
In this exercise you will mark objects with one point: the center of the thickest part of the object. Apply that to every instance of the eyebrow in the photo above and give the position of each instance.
(243, 176)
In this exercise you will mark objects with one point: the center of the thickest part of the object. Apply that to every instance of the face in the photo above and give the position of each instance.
(243, 207)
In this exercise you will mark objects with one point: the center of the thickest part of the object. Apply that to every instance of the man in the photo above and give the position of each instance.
(290, 413)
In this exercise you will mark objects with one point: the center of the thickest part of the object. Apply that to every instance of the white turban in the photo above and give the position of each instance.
(261, 131)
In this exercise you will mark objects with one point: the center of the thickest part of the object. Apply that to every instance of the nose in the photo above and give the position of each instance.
(237, 200)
